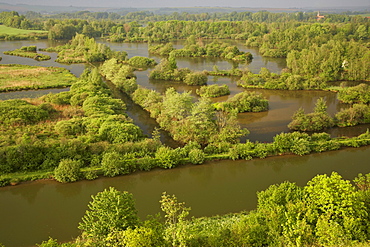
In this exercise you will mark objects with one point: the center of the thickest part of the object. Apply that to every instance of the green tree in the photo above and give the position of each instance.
(336, 207)
(109, 211)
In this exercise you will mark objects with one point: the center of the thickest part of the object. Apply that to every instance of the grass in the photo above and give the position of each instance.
(16, 31)
(23, 77)
(29, 54)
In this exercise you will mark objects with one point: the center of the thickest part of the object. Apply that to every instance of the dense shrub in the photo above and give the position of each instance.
(114, 164)
(356, 94)
(245, 102)
(21, 112)
(68, 170)
(315, 121)
(196, 78)
(141, 62)
(196, 156)
(213, 91)
(72, 126)
(167, 157)
(357, 114)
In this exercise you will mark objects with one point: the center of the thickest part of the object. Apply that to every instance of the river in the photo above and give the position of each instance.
(32, 212)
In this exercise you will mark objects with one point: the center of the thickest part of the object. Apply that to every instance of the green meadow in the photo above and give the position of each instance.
(16, 31)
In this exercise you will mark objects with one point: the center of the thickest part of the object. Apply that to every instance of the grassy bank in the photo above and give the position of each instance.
(28, 51)
(10, 33)
(23, 77)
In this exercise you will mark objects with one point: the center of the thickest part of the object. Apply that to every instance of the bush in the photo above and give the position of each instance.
(141, 62)
(114, 164)
(213, 91)
(245, 102)
(146, 163)
(21, 112)
(196, 156)
(62, 98)
(167, 158)
(196, 78)
(90, 175)
(4, 182)
(72, 126)
(68, 171)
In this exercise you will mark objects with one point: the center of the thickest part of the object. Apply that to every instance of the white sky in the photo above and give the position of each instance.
(193, 3)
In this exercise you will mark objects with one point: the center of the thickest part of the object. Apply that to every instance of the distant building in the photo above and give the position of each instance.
(319, 17)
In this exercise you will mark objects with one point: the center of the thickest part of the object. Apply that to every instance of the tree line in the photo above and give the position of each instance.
(290, 29)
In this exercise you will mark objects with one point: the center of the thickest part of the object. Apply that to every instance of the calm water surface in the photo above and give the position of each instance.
(32, 212)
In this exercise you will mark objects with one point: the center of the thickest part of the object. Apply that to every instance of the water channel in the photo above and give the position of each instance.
(32, 212)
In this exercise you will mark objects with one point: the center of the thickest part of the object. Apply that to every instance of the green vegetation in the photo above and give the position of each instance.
(319, 119)
(356, 114)
(327, 211)
(28, 51)
(356, 94)
(284, 81)
(332, 61)
(141, 62)
(85, 132)
(244, 102)
(15, 77)
(315, 121)
(109, 211)
(22, 112)
(68, 170)
(83, 49)
(167, 70)
(213, 91)
(194, 48)
(10, 33)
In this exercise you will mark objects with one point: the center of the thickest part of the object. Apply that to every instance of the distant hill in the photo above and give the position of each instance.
(23, 8)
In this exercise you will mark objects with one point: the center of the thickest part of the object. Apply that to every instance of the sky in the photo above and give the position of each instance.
(194, 3)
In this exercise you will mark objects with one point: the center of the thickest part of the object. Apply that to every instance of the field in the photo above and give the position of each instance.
(23, 77)
(15, 31)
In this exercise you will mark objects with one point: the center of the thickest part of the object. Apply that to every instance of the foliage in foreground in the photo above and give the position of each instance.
(327, 211)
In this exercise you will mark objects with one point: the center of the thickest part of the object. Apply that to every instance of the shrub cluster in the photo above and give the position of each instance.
(28, 51)
(213, 91)
(246, 101)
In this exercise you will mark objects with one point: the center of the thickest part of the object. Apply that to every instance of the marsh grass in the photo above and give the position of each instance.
(23, 77)
(26, 52)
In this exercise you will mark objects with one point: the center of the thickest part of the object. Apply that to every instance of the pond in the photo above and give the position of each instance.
(32, 212)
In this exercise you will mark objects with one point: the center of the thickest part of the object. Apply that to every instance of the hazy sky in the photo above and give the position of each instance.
(192, 3)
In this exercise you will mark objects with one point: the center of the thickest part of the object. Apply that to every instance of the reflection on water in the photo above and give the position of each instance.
(32, 212)
(75, 69)
(30, 93)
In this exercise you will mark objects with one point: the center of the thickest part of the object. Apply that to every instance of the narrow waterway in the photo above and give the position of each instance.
(32, 212)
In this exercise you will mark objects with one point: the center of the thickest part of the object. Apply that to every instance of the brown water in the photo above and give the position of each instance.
(30, 213)
(76, 69)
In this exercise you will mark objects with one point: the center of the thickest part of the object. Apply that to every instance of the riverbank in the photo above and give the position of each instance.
(237, 152)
